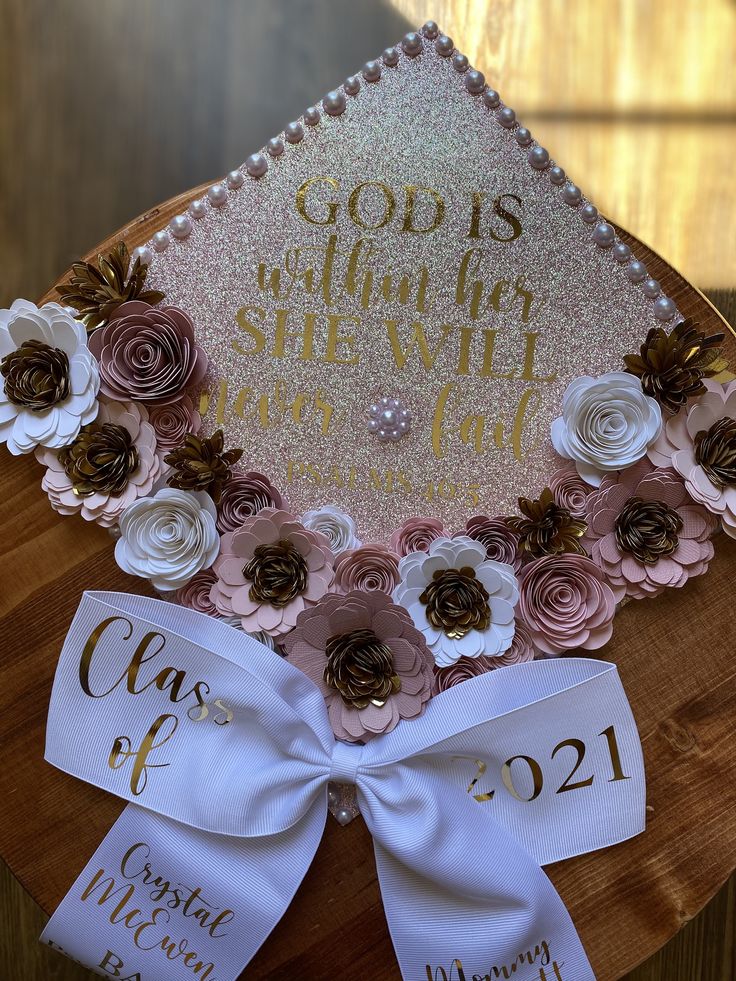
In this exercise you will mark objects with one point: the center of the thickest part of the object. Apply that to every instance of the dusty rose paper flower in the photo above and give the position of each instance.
(172, 422)
(368, 660)
(646, 533)
(196, 594)
(368, 567)
(148, 354)
(135, 477)
(570, 490)
(566, 603)
(415, 535)
(500, 542)
(271, 569)
(521, 650)
(244, 495)
(700, 444)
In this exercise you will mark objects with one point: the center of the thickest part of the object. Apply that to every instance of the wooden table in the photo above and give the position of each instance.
(69, 118)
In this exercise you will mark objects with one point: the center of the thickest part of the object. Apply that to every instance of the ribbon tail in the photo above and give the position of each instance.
(464, 900)
(159, 897)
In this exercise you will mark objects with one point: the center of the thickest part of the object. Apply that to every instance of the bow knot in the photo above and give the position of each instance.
(346, 760)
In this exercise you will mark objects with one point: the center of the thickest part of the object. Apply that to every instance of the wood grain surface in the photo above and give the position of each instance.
(674, 653)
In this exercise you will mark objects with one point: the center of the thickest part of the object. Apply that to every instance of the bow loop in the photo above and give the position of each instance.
(346, 759)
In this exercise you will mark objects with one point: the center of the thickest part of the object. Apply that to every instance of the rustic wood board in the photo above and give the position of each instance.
(674, 655)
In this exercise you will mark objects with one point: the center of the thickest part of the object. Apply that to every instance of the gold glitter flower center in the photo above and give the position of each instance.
(101, 459)
(36, 375)
(647, 529)
(715, 451)
(457, 602)
(202, 464)
(546, 528)
(361, 668)
(278, 573)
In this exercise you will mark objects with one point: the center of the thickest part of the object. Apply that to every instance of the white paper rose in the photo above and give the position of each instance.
(50, 378)
(607, 423)
(168, 538)
(337, 527)
(461, 601)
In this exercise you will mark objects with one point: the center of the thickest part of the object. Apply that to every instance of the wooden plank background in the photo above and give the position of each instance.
(106, 109)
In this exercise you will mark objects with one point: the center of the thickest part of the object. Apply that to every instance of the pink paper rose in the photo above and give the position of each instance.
(646, 533)
(566, 603)
(148, 354)
(196, 594)
(500, 542)
(415, 535)
(244, 495)
(570, 490)
(269, 570)
(368, 660)
(172, 422)
(368, 567)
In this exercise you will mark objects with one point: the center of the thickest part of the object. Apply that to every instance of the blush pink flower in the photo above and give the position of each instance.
(368, 568)
(570, 490)
(500, 542)
(172, 422)
(269, 570)
(673, 543)
(415, 535)
(148, 354)
(334, 628)
(196, 594)
(244, 495)
(680, 446)
(521, 650)
(566, 603)
(105, 507)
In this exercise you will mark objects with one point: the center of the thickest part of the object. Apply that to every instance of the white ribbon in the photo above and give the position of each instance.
(231, 801)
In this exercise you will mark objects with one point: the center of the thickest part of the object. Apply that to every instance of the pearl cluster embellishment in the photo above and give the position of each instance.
(334, 104)
(389, 419)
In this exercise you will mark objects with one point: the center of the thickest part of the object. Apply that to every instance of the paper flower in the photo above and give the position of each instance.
(570, 490)
(195, 595)
(607, 423)
(337, 527)
(148, 354)
(368, 567)
(202, 463)
(269, 570)
(566, 603)
(646, 533)
(700, 444)
(463, 669)
(461, 601)
(499, 540)
(545, 527)
(367, 658)
(172, 422)
(50, 379)
(415, 535)
(168, 538)
(522, 648)
(244, 495)
(110, 464)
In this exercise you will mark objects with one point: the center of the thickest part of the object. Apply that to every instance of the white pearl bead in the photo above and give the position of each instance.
(384, 400)
(217, 195)
(181, 226)
(198, 209)
(144, 254)
(374, 411)
(388, 418)
(160, 241)
(343, 816)
(235, 179)
(373, 425)
(256, 165)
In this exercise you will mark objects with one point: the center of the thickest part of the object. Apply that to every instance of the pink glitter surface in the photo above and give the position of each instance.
(549, 291)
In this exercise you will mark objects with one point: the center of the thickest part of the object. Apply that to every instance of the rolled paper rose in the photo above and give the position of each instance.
(49, 378)
(522, 648)
(110, 464)
(570, 490)
(370, 567)
(462, 670)
(337, 527)
(607, 423)
(168, 538)
(148, 354)
(367, 658)
(700, 444)
(415, 535)
(461, 601)
(271, 569)
(172, 422)
(196, 594)
(500, 542)
(566, 603)
(646, 533)
(244, 495)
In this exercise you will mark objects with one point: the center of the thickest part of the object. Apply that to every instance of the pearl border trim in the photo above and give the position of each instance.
(335, 103)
